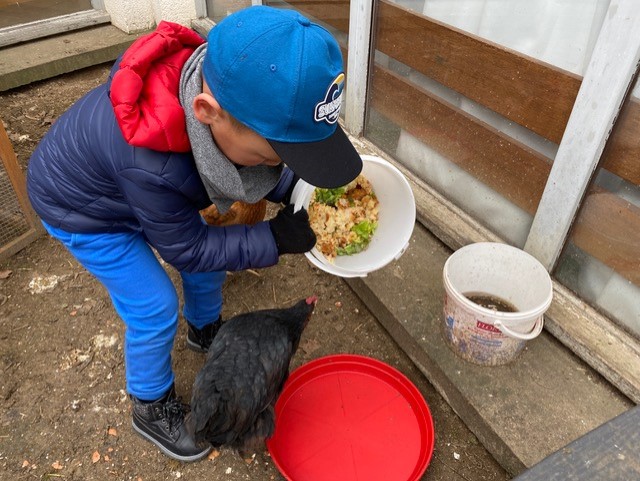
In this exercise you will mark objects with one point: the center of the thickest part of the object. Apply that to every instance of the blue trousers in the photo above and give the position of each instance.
(146, 300)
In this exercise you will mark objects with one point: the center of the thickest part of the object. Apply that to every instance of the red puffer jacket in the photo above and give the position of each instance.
(144, 91)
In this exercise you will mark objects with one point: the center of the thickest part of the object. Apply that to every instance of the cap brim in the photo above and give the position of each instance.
(329, 163)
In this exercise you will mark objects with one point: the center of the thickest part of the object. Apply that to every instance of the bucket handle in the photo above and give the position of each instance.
(537, 329)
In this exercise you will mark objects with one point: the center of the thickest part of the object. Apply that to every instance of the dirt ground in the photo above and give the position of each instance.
(64, 412)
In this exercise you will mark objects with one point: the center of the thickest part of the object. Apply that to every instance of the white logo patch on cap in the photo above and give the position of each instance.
(328, 109)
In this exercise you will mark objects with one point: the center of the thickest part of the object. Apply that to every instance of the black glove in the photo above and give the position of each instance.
(292, 231)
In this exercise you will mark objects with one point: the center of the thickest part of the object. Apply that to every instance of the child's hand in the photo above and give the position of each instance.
(292, 232)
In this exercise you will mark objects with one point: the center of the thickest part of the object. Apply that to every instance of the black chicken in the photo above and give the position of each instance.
(247, 364)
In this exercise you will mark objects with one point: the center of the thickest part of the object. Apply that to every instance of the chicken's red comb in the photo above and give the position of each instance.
(312, 300)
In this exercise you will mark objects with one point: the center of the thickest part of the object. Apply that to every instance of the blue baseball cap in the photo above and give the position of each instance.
(282, 76)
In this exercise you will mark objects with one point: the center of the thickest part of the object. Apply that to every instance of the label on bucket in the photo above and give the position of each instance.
(487, 327)
(473, 338)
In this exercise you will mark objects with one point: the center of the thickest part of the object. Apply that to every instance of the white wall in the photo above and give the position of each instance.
(144, 14)
(178, 11)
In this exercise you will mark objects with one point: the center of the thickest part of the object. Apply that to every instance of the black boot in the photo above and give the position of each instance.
(199, 340)
(162, 423)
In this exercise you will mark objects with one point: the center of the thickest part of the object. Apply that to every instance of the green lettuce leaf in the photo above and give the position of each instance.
(329, 196)
(364, 230)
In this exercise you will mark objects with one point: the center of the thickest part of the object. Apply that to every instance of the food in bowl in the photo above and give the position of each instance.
(344, 219)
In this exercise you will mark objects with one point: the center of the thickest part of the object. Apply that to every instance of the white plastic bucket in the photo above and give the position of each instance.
(396, 220)
(486, 336)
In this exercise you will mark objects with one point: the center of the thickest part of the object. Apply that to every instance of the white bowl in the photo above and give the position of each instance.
(396, 220)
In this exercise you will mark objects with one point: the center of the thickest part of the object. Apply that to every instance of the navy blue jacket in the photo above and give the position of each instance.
(84, 177)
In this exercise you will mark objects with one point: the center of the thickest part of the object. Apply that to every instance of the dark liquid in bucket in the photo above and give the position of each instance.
(490, 302)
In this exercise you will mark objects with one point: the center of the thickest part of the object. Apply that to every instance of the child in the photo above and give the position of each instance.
(179, 125)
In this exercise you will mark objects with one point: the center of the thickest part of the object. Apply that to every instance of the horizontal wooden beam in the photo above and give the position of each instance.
(332, 12)
(52, 26)
(510, 168)
(536, 95)
(608, 228)
(621, 156)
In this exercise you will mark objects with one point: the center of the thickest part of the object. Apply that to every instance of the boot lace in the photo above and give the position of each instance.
(173, 412)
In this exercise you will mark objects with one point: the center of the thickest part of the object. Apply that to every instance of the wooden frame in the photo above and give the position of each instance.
(34, 229)
(52, 26)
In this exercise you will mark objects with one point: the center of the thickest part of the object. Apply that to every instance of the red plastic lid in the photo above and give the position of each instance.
(349, 417)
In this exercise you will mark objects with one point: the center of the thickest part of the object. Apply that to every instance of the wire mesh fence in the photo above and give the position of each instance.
(13, 222)
(18, 225)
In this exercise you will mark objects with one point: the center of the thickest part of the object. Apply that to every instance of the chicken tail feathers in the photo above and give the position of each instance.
(253, 439)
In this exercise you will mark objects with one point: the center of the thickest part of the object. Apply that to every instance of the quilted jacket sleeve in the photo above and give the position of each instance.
(281, 188)
(172, 224)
